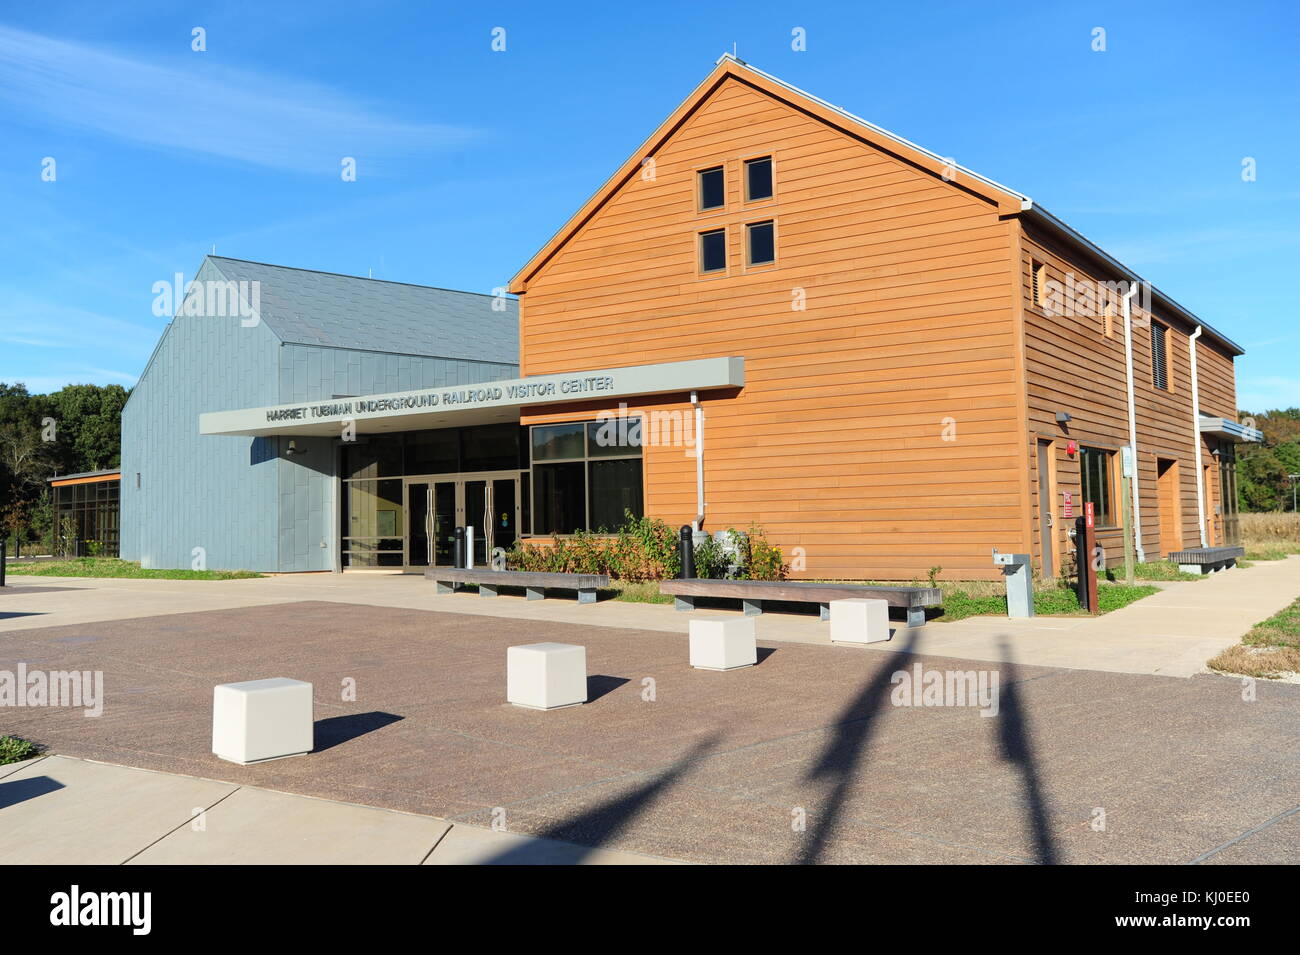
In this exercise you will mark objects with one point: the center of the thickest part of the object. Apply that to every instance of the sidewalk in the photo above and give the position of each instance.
(1171, 633)
(56, 810)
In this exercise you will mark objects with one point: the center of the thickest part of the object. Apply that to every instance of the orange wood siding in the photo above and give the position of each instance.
(1073, 366)
(836, 443)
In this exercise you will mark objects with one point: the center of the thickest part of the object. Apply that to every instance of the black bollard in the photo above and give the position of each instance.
(686, 552)
(1082, 562)
(4, 556)
(458, 549)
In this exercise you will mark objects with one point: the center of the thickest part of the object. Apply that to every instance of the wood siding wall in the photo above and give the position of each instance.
(837, 444)
(1073, 366)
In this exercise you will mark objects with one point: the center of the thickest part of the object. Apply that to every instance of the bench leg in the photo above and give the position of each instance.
(916, 616)
(752, 607)
(824, 611)
(586, 596)
(445, 586)
(487, 590)
(683, 603)
(534, 593)
(1191, 568)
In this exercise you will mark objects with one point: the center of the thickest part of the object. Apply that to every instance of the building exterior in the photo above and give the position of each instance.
(773, 313)
(86, 511)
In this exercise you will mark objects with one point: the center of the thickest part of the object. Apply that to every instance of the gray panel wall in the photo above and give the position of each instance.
(213, 492)
(307, 506)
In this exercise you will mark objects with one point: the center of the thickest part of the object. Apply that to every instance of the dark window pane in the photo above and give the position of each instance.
(1094, 468)
(432, 452)
(493, 447)
(559, 498)
(762, 243)
(1159, 371)
(615, 437)
(712, 188)
(552, 441)
(615, 489)
(713, 251)
(758, 179)
(374, 456)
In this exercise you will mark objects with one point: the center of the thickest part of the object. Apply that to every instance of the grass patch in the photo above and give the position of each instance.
(1048, 601)
(112, 567)
(15, 750)
(1154, 570)
(1271, 649)
(1267, 552)
(1270, 536)
(642, 592)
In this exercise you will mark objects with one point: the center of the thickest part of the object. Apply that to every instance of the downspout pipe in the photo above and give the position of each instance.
(1132, 421)
(1196, 440)
(698, 523)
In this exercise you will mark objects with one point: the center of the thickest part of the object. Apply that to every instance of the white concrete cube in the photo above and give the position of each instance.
(546, 676)
(723, 643)
(859, 620)
(262, 719)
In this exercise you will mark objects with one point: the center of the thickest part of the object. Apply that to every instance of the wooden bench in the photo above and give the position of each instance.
(752, 593)
(449, 579)
(1206, 560)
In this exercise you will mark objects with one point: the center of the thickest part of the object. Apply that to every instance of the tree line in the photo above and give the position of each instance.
(75, 429)
(1263, 470)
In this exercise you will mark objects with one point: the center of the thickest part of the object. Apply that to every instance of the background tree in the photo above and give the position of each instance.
(1262, 469)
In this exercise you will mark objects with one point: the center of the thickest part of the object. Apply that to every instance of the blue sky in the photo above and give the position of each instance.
(469, 159)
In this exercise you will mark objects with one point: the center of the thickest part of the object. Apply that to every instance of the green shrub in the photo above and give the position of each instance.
(15, 750)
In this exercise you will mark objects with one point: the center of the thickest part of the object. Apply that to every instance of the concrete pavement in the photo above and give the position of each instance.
(56, 810)
(1171, 633)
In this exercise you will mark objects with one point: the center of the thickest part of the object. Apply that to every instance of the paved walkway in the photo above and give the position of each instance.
(1171, 633)
(57, 810)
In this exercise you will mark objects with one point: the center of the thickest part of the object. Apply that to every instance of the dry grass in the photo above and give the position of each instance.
(1270, 535)
(1267, 663)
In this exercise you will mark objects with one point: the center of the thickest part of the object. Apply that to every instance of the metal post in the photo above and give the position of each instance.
(458, 548)
(1082, 561)
(1126, 509)
(686, 552)
(4, 557)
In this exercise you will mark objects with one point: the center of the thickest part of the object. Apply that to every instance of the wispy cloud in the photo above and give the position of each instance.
(205, 108)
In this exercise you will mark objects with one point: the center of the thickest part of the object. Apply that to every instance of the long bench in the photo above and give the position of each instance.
(752, 594)
(448, 579)
(1206, 560)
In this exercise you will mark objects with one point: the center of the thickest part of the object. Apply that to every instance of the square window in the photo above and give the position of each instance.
(713, 190)
(713, 251)
(758, 179)
(761, 242)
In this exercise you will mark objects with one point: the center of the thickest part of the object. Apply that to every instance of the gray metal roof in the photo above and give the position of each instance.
(347, 311)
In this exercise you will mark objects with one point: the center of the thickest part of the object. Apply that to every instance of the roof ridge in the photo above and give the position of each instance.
(344, 275)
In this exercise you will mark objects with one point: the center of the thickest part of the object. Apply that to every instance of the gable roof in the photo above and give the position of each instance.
(1008, 201)
(307, 307)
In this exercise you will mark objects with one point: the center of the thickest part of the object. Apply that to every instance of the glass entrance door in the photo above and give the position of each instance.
(436, 506)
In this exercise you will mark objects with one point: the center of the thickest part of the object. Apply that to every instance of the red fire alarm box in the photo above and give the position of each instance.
(1071, 448)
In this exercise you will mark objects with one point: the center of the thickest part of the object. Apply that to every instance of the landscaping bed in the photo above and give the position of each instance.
(1271, 650)
(112, 567)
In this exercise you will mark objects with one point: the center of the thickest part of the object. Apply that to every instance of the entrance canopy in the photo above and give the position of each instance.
(483, 403)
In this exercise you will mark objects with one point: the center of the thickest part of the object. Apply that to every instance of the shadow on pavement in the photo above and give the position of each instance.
(598, 684)
(1017, 747)
(598, 825)
(342, 729)
(20, 790)
(839, 761)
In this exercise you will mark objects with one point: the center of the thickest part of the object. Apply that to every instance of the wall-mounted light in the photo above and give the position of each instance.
(293, 449)
(1063, 417)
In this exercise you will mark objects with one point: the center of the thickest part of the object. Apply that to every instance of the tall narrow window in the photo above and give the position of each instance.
(758, 179)
(1159, 357)
(1094, 475)
(760, 239)
(712, 188)
(713, 250)
(1038, 279)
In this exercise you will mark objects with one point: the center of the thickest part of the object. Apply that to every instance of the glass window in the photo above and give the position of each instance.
(758, 179)
(615, 490)
(432, 452)
(492, 447)
(558, 441)
(761, 240)
(559, 498)
(712, 188)
(615, 437)
(1095, 470)
(373, 456)
(1159, 357)
(713, 250)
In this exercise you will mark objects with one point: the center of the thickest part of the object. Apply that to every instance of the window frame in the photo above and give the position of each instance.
(586, 460)
(1161, 380)
(744, 172)
(1106, 520)
(700, 207)
(749, 246)
(699, 251)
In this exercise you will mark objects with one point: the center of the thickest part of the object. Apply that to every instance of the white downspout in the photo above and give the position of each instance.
(1196, 438)
(698, 523)
(1132, 422)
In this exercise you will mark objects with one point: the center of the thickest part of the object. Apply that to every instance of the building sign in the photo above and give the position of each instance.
(1087, 514)
(1067, 506)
